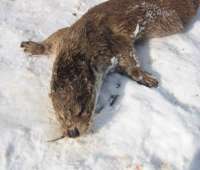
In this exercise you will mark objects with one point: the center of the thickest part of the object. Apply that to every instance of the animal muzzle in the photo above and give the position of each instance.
(73, 133)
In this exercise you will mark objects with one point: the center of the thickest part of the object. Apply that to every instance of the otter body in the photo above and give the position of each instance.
(102, 39)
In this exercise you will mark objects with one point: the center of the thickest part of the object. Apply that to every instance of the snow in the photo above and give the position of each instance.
(137, 128)
(137, 30)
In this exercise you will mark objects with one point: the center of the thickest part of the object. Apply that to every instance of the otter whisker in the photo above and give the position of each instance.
(56, 139)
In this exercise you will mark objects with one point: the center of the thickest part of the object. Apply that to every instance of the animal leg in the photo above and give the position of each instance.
(46, 47)
(142, 77)
(33, 48)
(129, 65)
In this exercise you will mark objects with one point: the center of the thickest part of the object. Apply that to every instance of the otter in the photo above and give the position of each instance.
(102, 40)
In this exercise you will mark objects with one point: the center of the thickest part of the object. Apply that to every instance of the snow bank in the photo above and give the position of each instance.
(145, 129)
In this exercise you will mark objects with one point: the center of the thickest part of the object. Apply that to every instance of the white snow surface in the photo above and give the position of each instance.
(145, 129)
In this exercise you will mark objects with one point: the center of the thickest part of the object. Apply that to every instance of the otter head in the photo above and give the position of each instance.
(73, 115)
(78, 126)
(73, 93)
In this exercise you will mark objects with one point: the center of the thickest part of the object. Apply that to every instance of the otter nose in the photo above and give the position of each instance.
(73, 133)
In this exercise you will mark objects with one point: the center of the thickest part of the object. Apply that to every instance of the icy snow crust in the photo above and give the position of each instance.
(144, 129)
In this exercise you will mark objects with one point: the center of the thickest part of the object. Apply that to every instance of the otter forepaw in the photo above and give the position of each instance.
(32, 47)
(148, 80)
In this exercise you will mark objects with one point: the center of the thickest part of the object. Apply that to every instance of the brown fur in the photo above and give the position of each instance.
(85, 51)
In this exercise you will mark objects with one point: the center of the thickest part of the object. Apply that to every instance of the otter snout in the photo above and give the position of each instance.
(73, 133)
